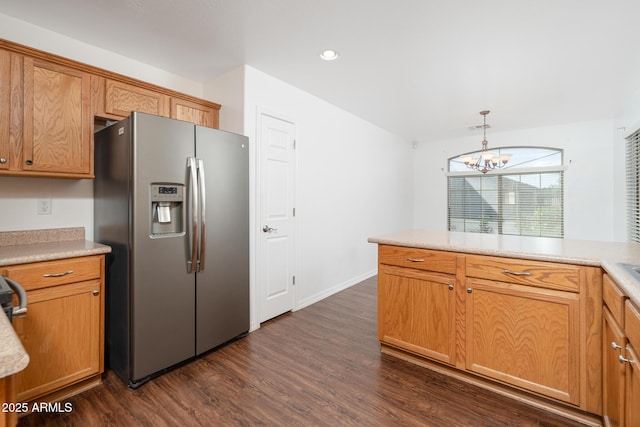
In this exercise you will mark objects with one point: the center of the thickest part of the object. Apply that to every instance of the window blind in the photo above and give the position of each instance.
(633, 182)
(524, 204)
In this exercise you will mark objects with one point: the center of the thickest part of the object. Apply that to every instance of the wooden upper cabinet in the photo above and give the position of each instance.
(193, 112)
(5, 107)
(57, 119)
(122, 99)
(48, 106)
(114, 99)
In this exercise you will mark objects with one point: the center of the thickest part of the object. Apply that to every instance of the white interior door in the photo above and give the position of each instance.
(276, 256)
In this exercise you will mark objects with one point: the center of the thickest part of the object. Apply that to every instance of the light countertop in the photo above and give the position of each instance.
(21, 247)
(583, 252)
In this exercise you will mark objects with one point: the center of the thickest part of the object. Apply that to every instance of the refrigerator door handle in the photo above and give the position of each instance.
(203, 215)
(192, 264)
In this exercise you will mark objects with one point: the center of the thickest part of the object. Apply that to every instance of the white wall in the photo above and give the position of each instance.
(30, 35)
(589, 147)
(353, 181)
(228, 90)
(71, 201)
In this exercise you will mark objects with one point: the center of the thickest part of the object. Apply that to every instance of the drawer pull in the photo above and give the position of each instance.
(58, 274)
(517, 273)
(615, 345)
(623, 359)
(415, 259)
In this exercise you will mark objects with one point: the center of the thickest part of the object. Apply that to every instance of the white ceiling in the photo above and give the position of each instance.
(422, 69)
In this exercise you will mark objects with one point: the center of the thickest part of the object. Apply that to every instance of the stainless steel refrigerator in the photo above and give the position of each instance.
(172, 200)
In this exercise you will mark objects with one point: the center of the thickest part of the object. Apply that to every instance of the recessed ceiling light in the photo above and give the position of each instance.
(329, 54)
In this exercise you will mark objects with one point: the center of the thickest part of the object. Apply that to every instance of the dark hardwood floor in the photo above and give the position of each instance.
(320, 366)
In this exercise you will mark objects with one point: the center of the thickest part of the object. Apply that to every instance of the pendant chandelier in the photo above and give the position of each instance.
(486, 161)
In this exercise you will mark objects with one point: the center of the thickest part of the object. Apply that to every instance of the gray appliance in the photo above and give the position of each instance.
(172, 201)
(7, 288)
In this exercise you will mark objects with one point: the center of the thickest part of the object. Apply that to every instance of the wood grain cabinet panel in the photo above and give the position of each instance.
(614, 299)
(61, 335)
(417, 312)
(5, 108)
(525, 336)
(193, 112)
(533, 330)
(422, 259)
(58, 272)
(613, 392)
(632, 365)
(63, 329)
(121, 99)
(525, 272)
(632, 388)
(57, 119)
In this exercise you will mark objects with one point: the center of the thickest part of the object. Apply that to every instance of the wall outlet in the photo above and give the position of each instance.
(44, 206)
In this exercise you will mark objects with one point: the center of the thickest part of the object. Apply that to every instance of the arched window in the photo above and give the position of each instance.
(525, 197)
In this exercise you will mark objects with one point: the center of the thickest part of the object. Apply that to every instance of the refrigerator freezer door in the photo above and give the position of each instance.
(162, 291)
(222, 288)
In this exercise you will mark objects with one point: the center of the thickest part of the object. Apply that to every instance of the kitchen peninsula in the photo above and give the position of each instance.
(519, 315)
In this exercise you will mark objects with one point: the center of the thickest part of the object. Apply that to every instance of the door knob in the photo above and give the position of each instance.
(268, 229)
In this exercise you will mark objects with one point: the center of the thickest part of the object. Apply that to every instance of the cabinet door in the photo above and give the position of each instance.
(5, 107)
(61, 334)
(613, 372)
(57, 126)
(632, 377)
(121, 99)
(417, 312)
(524, 336)
(195, 113)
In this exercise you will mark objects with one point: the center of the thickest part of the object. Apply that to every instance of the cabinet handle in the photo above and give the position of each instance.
(96, 292)
(517, 273)
(623, 359)
(469, 290)
(29, 162)
(415, 259)
(58, 274)
(450, 287)
(615, 345)
(3, 160)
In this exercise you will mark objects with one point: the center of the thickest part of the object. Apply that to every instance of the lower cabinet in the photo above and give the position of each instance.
(529, 328)
(613, 371)
(8, 418)
(63, 329)
(417, 312)
(621, 366)
(525, 336)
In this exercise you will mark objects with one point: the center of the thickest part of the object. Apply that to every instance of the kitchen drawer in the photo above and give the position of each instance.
(535, 273)
(614, 299)
(632, 324)
(423, 259)
(52, 273)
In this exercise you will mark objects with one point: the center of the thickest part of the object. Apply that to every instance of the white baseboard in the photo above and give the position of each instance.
(340, 287)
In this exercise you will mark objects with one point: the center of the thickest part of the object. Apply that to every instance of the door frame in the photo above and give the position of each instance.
(258, 288)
